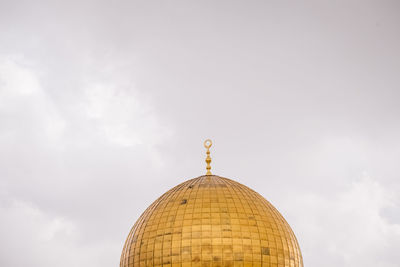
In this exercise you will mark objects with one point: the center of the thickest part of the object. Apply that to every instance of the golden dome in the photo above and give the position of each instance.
(211, 221)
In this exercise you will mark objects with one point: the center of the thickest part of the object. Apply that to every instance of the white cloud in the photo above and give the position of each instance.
(44, 164)
(23, 103)
(348, 229)
(109, 109)
(16, 80)
(31, 237)
(120, 115)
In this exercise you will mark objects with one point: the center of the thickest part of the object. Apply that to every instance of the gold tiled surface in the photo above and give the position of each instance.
(211, 221)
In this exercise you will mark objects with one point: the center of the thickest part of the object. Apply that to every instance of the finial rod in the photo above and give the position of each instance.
(208, 144)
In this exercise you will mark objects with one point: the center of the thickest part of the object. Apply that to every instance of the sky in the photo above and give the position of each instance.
(105, 105)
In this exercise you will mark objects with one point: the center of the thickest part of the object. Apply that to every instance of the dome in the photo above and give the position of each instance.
(211, 221)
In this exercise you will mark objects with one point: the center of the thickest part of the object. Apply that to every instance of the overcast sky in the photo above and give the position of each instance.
(104, 106)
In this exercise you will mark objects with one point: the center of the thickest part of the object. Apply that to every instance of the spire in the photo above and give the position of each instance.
(208, 144)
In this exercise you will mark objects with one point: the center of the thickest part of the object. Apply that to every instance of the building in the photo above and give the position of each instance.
(211, 221)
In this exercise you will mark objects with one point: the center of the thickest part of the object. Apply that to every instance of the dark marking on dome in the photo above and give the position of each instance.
(265, 251)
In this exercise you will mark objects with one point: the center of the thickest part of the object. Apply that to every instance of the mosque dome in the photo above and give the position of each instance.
(211, 221)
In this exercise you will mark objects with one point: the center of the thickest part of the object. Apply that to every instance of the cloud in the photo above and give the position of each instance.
(120, 115)
(104, 107)
(24, 106)
(348, 229)
(32, 237)
(53, 187)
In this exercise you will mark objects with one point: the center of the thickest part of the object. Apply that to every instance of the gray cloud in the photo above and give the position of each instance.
(104, 106)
